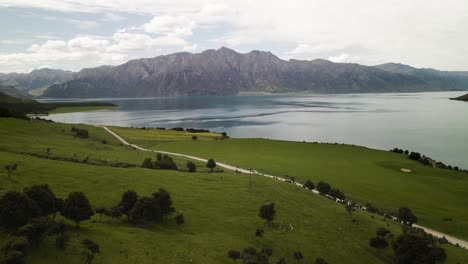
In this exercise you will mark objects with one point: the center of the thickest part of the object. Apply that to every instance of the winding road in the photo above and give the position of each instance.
(450, 239)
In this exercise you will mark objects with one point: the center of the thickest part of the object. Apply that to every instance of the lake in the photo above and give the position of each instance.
(425, 122)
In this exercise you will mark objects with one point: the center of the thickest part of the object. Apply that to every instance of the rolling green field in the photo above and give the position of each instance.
(365, 175)
(35, 137)
(220, 209)
(73, 109)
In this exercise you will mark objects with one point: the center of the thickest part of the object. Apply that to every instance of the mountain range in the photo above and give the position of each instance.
(227, 72)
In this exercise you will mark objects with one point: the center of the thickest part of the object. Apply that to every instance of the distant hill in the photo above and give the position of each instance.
(438, 80)
(36, 79)
(227, 72)
(11, 106)
(12, 91)
(461, 98)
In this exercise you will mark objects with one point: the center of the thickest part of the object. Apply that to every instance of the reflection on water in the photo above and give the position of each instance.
(424, 122)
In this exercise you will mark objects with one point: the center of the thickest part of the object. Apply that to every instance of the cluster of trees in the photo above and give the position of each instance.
(144, 209)
(253, 256)
(79, 132)
(426, 160)
(25, 216)
(326, 189)
(413, 246)
(163, 162)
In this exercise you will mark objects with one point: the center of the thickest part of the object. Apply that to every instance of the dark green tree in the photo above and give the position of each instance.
(337, 193)
(268, 213)
(166, 163)
(378, 243)
(146, 209)
(180, 219)
(165, 201)
(211, 164)
(194, 138)
(128, 200)
(147, 163)
(191, 167)
(405, 215)
(417, 248)
(77, 207)
(309, 185)
(16, 209)
(323, 187)
(43, 197)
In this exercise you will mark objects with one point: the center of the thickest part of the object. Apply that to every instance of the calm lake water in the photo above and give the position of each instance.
(425, 122)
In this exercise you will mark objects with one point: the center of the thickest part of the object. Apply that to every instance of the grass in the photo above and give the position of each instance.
(37, 136)
(365, 175)
(159, 135)
(73, 109)
(220, 211)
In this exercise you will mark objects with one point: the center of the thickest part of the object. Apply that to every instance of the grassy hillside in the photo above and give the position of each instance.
(437, 196)
(221, 214)
(221, 209)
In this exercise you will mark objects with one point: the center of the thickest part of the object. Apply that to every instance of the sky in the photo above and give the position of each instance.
(76, 34)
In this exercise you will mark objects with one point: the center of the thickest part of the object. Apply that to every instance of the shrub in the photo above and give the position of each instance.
(77, 207)
(323, 187)
(211, 164)
(16, 209)
(147, 163)
(268, 212)
(166, 163)
(191, 167)
(405, 215)
(337, 193)
(194, 138)
(309, 185)
(415, 156)
(180, 219)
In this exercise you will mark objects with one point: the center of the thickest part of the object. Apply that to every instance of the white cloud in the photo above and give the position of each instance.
(190, 48)
(423, 33)
(170, 25)
(113, 17)
(343, 57)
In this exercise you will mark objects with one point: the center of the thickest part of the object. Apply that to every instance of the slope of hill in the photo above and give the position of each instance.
(12, 91)
(461, 98)
(440, 80)
(227, 72)
(221, 215)
(19, 107)
(35, 80)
